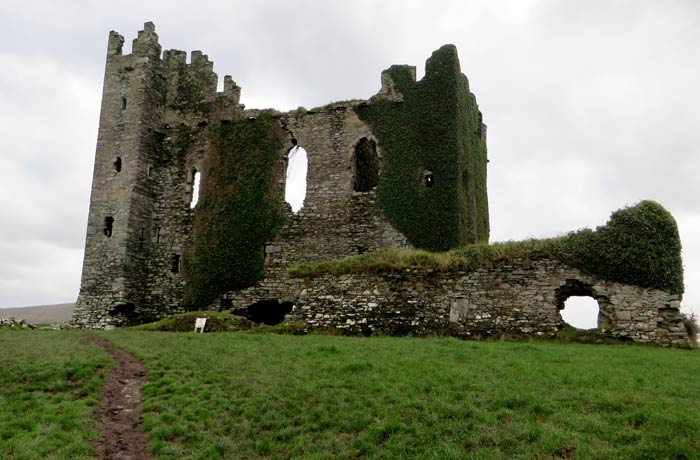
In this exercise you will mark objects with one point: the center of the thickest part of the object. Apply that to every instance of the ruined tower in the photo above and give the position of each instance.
(407, 168)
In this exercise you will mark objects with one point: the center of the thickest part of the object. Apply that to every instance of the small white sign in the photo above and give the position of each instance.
(199, 324)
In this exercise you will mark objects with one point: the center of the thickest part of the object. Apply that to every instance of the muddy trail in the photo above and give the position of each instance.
(118, 417)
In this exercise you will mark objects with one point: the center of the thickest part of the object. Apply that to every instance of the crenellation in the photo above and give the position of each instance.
(114, 44)
(146, 43)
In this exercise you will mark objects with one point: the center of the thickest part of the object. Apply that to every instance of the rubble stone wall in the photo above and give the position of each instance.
(514, 298)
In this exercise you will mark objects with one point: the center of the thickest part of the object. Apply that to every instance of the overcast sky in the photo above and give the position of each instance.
(590, 106)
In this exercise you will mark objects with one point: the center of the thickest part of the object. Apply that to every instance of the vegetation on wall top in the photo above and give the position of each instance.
(639, 245)
(434, 131)
(240, 208)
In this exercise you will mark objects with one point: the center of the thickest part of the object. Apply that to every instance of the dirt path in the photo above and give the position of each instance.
(118, 417)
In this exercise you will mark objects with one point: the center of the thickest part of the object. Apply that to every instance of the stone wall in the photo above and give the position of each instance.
(335, 221)
(512, 298)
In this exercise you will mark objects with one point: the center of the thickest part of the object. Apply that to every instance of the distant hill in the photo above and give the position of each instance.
(40, 314)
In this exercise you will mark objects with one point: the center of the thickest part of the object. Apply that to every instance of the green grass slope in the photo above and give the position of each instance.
(268, 396)
(49, 382)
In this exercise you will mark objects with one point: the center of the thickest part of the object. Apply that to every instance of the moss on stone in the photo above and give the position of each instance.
(435, 129)
(639, 245)
(240, 208)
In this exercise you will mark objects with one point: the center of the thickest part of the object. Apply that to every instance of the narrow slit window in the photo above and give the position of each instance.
(196, 179)
(142, 238)
(123, 103)
(108, 226)
(118, 164)
(175, 268)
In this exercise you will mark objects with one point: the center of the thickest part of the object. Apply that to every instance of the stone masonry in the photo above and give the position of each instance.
(509, 298)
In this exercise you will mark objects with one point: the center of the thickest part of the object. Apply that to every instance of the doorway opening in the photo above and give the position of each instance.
(268, 312)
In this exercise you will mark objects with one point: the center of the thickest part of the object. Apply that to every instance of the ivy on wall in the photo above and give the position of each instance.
(240, 208)
(434, 131)
(639, 245)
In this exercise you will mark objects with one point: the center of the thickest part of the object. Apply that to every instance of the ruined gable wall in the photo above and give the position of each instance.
(512, 298)
(335, 221)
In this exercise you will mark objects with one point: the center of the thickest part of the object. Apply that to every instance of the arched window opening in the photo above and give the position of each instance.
(581, 312)
(118, 164)
(196, 179)
(366, 164)
(295, 183)
(123, 103)
(108, 226)
(268, 312)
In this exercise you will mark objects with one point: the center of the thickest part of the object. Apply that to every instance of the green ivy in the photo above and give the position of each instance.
(240, 208)
(436, 128)
(639, 245)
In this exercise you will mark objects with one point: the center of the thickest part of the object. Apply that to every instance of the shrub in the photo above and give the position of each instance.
(639, 245)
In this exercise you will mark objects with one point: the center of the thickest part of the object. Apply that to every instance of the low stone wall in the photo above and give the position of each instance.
(518, 298)
(15, 324)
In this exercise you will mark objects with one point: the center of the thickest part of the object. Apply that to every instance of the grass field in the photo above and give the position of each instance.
(49, 382)
(267, 396)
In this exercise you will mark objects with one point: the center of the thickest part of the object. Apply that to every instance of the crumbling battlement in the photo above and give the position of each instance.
(404, 169)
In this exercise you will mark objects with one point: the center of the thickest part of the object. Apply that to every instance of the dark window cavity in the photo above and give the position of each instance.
(175, 268)
(428, 179)
(118, 164)
(123, 103)
(142, 238)
(366, 165)
(109, 223)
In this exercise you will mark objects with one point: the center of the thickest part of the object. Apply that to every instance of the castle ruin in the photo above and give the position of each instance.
(404, 169)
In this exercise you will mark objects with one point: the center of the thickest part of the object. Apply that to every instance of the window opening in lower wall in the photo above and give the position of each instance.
(581, 312)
